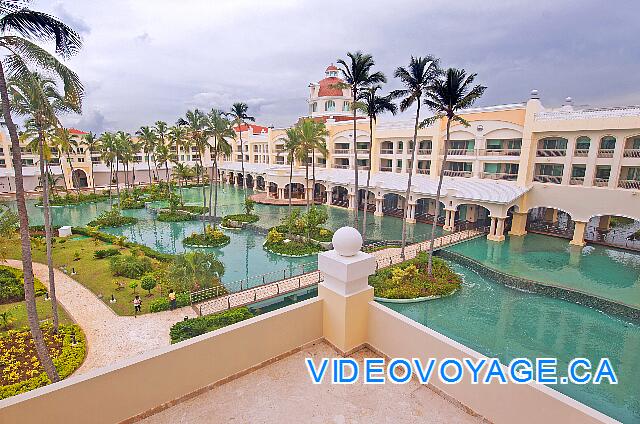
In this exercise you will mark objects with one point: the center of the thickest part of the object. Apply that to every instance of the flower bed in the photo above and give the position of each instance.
(12, 285)
(112, 218)
(409, 280)
(212, 237)
(131, 203)
(21, 369)
(184, 330)
(278, 244)
(320, 234)
(242, 218)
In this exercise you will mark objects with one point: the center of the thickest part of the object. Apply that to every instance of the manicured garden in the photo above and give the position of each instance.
(299, 234)
(237, 221)
(21, 369)
(112, 218)
(410, 280)
(212, 237)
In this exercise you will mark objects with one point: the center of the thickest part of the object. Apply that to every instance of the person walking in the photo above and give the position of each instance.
(172, 299)
(137, 305)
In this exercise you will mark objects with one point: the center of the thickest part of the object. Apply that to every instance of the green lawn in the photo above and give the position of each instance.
(19, 314)
(93, 273)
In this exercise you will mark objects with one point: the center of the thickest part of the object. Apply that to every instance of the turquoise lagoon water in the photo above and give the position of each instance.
(505, 323)
(610, 273)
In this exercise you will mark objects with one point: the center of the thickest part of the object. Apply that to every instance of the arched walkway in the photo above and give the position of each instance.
(260, 182)
(543, 219)
(273, 190)
(250, 181)
(297, 191)
(79, 179)
(340, 196)
(614, 230)
(472, 215)
(371, 201)
(239, 179)
(393, 204)
(320, 193)
(426, 210)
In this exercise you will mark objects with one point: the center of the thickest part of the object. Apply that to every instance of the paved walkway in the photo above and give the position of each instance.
(110, 337)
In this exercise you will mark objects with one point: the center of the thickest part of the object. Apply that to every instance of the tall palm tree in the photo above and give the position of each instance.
(372, 105)
(161, 131)
(357, 75)
(39, 99)
(109, 155)
(312, 136)
(124, 154)
(92, 143)
(196, 122)
(417, 79)
(21, 55)
(182, 173)
(148, 139)
(68, 145)
(447, 96)
(292, 145)
(239, 115)
(221, 129)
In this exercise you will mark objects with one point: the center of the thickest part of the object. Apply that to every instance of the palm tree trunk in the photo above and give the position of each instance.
(149, 168)
(133, 174)
(355, 158)
(110, 180)
(408, 192)
(306, 182)
(118, 180)
(73, 176)
(244, 178)
(435, 219)
(47, 231)
(290, 184)
(25, 241)
(313, 175)
(204, 193)
(93, 180)
(366, 195)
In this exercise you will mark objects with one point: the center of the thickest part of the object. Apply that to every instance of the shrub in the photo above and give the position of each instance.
(409, 279)
(21, 373)
(176, 216)
(130, 266)
(131, 203)
(148, 283)
(110, 238)
(185, 330)
(162, 304)
(274, 236)
(112, 218)
(12, 285)
(211, 238)
(249, 205)
(194, 209)
(241, 217)
(105, 253)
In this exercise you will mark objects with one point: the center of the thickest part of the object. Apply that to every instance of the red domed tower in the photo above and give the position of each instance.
(327, 100)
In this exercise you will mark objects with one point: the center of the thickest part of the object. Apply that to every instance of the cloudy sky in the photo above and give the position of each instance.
(145, 60)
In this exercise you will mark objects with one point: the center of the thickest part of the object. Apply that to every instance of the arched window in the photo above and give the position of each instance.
(582, 143)
(330, 106)
(314, 107)
(345, 106)
(608, 142)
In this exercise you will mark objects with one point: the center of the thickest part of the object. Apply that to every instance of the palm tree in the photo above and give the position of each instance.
(38, 98)
(417, 79)
(292, 144)
(148, 139)
(109, 155)
(196, 122)
(221, 129)
(68, 145)
(312, 136)
(372, 105)
(20, 55)
(182, 173)
(239, 115)
(161, 131)
(357, 75)
(92, 143)
(124, 154)
(447, 96)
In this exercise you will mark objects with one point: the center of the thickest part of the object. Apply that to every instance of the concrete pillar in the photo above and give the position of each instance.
(519, 224)
(431, 208)
(378, 211)
(549, 214)
(578, 233)
(328, 199)
(471, 215)
(308, 193)
(345, 291)
(411, 213)
(603, 223)
(496, 233)
(554, 218)
(352, 201)
(449, 216)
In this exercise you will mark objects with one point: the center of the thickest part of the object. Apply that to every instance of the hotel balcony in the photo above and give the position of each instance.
(601, 182)
(605, 153)
(386, 169)
(630, 184)
(340, 166)
(546, 153)
(631, 153)
(341, 151)
(552, 179)
(552, 147)
(424, 152)
(581, 153)
(423, 171)
(386, 151)
(499, 176)
(460, 152)
(498, 152)
(576, 181)
(452, 173)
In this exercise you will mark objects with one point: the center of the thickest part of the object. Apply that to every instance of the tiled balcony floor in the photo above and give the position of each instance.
(282, 393)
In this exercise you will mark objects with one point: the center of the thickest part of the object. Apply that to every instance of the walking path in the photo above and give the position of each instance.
(110, 337)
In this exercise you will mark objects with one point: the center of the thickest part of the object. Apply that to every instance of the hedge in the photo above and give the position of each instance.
(130, 266)
(184, 330)
(163, 304)
(12, 285)
(105, 253)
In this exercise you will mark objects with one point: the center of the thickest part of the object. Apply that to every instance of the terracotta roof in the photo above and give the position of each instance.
(256, 129)
(332, 67)
(77, 132)
(336, 118)
(327, 89)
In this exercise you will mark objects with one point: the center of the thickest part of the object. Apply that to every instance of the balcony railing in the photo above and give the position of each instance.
(633, 184)
(576, 181)
(605, 153)
(601, 182)
(422, 171)
(386, 151)
(340, 166)
(581, 153)
(546, 153)
(341, 151)
(553, 179)
(424, 151)
(451, 173)
(499, 176)
(632, 153)
(386, 169)
(499, 152)
(461, 152)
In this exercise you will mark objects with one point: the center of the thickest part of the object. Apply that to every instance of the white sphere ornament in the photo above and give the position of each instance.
(347, 241)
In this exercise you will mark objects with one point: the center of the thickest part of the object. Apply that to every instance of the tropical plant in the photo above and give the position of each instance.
(249, 205)
(292, 143)
(92, 143)
(20, 56)
(196, 123)
(109, 155)
(68, 144)
(195, 270)
(417, 79)
(312, 138)
(357, 75)
(148, 283)
(148, 140)
(239, 115)
(373, 105)
(162, 153)
(448, 95)
(221, 129)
